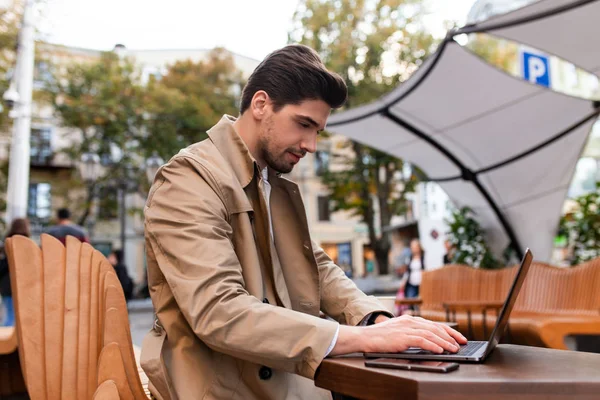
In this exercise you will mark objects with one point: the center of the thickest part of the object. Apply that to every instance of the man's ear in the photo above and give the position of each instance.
(259, 104)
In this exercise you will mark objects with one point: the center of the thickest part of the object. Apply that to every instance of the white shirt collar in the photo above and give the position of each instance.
(265, 174)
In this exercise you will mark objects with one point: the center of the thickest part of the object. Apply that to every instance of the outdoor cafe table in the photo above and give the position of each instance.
(510, 372)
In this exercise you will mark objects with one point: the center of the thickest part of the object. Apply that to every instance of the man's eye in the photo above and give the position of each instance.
(304, 125)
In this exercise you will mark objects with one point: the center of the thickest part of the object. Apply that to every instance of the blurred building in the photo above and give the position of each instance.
(51, 170)
(342, 236)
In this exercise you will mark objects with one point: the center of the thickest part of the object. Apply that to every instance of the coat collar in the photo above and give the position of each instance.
(234, 150)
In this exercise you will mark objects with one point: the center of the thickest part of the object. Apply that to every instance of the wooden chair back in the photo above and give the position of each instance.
(546, 289)
(71, 319)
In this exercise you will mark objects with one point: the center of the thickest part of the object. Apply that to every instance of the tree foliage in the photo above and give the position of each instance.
(582, 228)
(189, 99)
(102, 103)
(10, 18)
(374, 45)
(468, 240)
(109, 111)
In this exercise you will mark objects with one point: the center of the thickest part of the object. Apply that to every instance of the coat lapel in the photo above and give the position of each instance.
(290, 227)
(293, 245)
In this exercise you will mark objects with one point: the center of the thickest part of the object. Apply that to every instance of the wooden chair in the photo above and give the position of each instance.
(553, 304)
(72, 325)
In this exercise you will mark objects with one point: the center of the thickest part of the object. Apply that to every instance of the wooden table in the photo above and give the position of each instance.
(510, 373)
(472, 306)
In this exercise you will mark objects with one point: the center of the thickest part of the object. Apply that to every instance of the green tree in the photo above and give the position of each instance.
(499, 52)
(10, 19)
(582, 228)
(468, 240)
(374, 45)
(189, 99)
(103, 104)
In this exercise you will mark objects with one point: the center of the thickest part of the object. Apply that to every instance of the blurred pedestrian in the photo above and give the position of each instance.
(19, 226)
(116, 259)
(65, 227)
(400, 263)
(449, 252)
(415, 268)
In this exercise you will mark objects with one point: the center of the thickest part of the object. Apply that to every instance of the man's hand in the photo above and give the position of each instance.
(381, 318)
(398, 334)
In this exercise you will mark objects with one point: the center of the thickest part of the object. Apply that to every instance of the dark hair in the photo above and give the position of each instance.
(293, 74)
(19, 226)
(118, 255)
(63, 213)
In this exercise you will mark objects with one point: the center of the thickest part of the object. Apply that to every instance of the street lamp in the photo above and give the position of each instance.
(89, 167)
(19, 96)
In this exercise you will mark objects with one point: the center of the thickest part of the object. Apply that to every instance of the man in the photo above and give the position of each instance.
(235, 280)
(65, 227)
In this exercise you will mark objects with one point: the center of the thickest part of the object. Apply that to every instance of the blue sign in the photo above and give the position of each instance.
(536, 68)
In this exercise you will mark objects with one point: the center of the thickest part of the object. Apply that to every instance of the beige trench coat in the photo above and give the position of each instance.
(229, 324)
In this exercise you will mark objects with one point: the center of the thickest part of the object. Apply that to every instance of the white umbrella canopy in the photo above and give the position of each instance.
(501, 145)
(568, 29)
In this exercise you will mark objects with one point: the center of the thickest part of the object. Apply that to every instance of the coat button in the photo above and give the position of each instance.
(266, 301)
(265, 373)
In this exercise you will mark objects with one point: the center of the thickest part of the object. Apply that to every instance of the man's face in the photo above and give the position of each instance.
(287, 135)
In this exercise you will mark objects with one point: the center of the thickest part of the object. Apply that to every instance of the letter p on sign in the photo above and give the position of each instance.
(536, 69)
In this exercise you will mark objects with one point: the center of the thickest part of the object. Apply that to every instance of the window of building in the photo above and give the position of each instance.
(41, 146)
(39, 207)
(324, 208)
(42, 75)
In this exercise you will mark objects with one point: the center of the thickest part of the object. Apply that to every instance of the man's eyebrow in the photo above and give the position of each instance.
(309, 120)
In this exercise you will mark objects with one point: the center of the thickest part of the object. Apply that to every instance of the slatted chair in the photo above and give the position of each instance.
(554, 303)
(72, 324)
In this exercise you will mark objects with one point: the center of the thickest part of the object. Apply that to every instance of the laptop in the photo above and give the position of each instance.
(473, 351)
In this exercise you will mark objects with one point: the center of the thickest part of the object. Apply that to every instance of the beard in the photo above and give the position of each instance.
(276, 159)
(278, 164)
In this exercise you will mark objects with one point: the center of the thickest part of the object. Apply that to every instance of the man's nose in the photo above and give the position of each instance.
(309, 144)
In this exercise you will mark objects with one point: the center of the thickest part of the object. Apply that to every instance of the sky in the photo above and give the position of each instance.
(252, 28)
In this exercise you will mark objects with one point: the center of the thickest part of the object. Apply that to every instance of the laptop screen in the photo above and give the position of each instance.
(511, 299)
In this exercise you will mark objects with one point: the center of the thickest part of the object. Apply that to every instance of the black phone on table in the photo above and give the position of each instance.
(412, 365)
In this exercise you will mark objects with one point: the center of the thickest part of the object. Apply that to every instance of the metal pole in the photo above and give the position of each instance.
(122, 215)
(92, 216)
(18, 171)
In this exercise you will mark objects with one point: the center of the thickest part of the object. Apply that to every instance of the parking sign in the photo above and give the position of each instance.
(536, 68)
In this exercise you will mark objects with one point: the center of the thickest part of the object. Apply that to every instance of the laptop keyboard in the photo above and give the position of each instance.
(469, 349)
